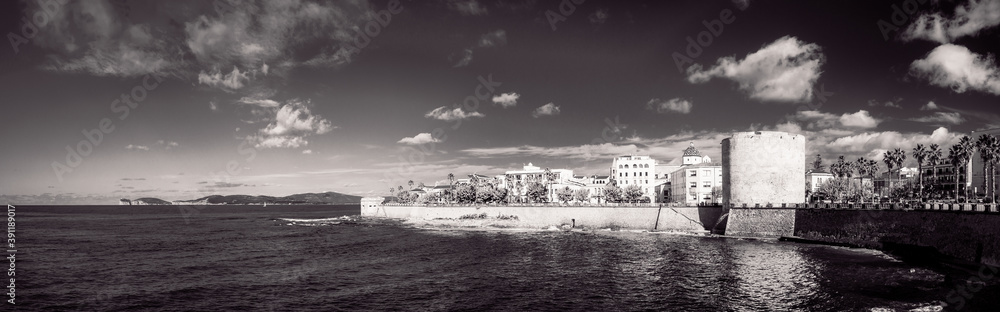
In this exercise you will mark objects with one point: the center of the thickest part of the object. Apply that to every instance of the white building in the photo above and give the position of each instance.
(635, 170)
(696, 179)
(816, 179)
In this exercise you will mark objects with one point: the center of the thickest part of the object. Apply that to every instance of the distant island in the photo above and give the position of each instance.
(328, 198)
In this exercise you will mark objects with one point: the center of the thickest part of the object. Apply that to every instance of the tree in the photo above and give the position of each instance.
(537, 192)
(410, 183)
(582, 195)
(986, 144)
(549, 178)
(465, 193)
(899, 156)
(612, 193)
(957, 158)
(920, 154)
(968, 149)
(818, 164)
(451, 184)
(889, 164)
(565, 195)
(716, 194)
(632, 193)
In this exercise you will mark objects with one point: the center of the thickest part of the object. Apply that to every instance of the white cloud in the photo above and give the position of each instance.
(968, 20)
(259, 102)
(494, 38)
(506, 99)
(422, 138)
(783, 71)
(866, 142)
(292, 123)
(951, 118)
(137, 147)
(955, 67)
(546, 110)
(468, 7)
(675, 105)
(929, 106)
(232, 81)
(213, 106)
(443, 113)
(307, 152)
(462, 59)
(861, 119)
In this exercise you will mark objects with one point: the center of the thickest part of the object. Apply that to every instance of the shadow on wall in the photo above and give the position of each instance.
(714, 219)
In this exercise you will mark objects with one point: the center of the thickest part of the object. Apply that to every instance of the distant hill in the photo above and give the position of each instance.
(328, 198)
(150, 201)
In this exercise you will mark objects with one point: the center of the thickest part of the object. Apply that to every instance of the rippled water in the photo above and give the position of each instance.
(249, 258)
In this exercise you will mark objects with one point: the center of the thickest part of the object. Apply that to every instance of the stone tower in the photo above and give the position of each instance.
(761, 168)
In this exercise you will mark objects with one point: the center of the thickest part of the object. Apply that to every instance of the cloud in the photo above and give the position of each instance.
(783, 71)
(443, 113)
(675, 105)
(292, 123)
(137, 147)
(494, 38)
(887, 140)
(955, 67)
(546, 110)
(231, 81)
(861, 119)
(167, 144)
(968, 20)
(598, 17)
(468, 7)
(258, 102)
(307, 152)
(422, 138)
(929, 106)
(939, 118)
(506, 99)
(894, 103)
(461, 59)
(213, 106)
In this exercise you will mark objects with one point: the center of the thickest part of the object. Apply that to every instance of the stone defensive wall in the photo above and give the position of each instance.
(644, 217)
(762, 167)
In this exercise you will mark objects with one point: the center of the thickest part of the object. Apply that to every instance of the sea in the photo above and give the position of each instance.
(274, 258)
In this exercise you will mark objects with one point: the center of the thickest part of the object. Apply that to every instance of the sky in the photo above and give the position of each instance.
(108, 99)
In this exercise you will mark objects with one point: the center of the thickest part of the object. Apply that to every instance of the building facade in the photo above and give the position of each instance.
(635, 170)
(696, 181)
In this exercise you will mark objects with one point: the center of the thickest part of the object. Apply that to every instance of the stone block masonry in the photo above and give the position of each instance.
(759, 168)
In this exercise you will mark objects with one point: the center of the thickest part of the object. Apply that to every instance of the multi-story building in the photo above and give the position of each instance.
(697, 180)
(816, 179)
(635, 170)
(975, 184)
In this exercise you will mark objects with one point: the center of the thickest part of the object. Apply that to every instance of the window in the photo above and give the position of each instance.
(634, 166)
(694, 184)
(707, 184)
(708, 173)
(694, 173)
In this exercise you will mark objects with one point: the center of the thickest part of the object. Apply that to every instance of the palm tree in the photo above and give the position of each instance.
(890, 162)
(861, 164)
(548, 181)
(451, 185)
(968, 147)
(872, 167)
(985, 145)
(957, 158)
(933, 160)
(849, 173)
(920, 154)
(899, 156)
